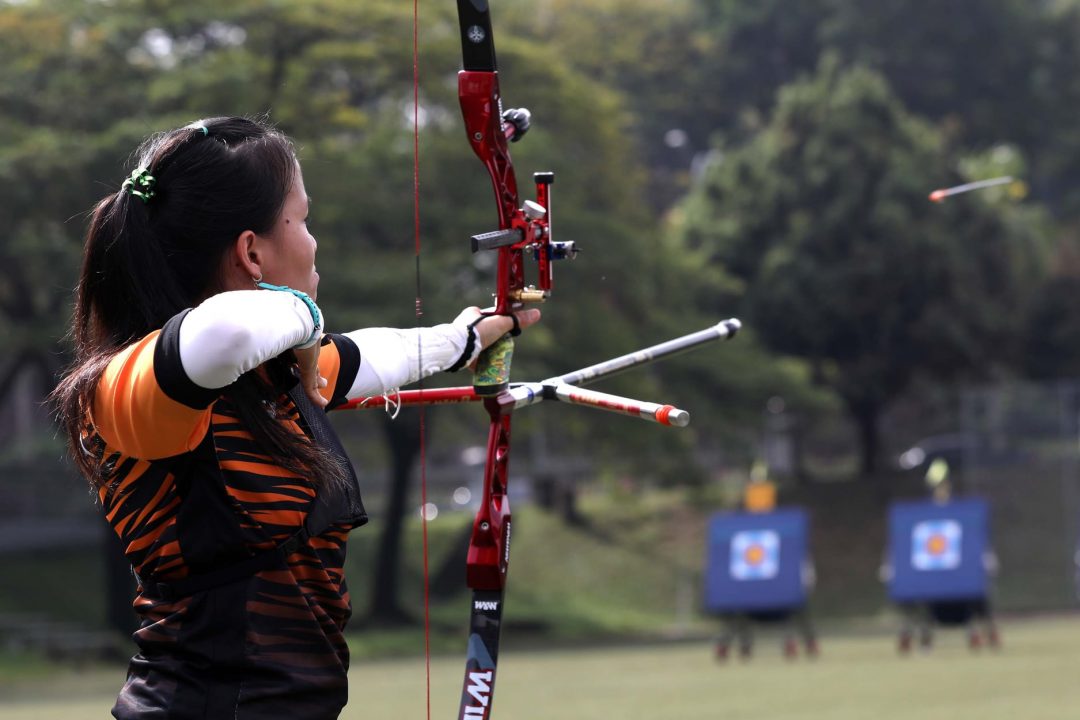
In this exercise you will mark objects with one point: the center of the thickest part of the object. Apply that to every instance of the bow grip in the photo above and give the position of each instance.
(492, 374)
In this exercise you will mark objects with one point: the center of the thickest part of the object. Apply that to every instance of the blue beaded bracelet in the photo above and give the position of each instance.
(316, 317)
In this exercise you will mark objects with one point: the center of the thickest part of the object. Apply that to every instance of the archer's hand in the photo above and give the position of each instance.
(493, 327)
(308, 360)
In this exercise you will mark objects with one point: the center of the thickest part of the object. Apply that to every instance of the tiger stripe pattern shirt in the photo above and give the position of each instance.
(190, 492)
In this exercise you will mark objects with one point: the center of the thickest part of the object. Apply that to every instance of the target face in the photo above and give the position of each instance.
(936, 544)
(755, 555)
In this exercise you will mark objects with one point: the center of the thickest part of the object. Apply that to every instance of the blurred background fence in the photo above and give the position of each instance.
(1018, 447)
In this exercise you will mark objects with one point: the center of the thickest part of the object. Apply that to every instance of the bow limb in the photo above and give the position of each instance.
(488, 555)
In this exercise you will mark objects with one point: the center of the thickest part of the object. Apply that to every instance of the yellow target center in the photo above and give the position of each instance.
(936, 544)
(755, 554)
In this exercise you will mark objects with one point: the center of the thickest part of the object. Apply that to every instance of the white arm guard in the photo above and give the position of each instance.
(390, 358)
(233, 332)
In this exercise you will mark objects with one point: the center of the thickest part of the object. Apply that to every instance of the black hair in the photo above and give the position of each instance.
(147, 258)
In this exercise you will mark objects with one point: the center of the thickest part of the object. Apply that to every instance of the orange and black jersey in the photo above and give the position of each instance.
(241, 611)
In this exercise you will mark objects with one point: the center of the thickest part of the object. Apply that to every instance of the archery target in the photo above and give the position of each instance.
(936, 545)
(755, 555)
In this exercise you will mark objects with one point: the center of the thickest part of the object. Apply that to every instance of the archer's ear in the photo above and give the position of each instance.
(243, 262)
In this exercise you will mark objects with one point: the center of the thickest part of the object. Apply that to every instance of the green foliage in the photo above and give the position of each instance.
(811, 219)
(824, 218)
(1056, 148)
(969, 61)
(1052, 335)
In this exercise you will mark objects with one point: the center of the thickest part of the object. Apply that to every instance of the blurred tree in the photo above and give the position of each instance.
(81, 84)
(825, 218)
(688, 68)
(969, 61)
(990, 71)
(1055, 147)
(1052, 334)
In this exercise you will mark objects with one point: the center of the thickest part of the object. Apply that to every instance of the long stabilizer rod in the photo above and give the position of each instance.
(721, 331)
(564, 387)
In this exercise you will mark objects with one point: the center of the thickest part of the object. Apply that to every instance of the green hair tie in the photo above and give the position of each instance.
(140, 184)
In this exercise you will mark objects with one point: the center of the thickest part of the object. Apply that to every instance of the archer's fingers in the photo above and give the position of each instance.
(312, 391)
(527, 317)
(493, 327)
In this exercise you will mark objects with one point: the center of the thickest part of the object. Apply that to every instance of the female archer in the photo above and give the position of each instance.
(196, 407)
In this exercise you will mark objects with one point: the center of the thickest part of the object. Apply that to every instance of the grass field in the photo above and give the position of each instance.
(1034, 677)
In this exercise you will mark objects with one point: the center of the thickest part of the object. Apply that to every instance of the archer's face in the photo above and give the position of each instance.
(290, 255)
